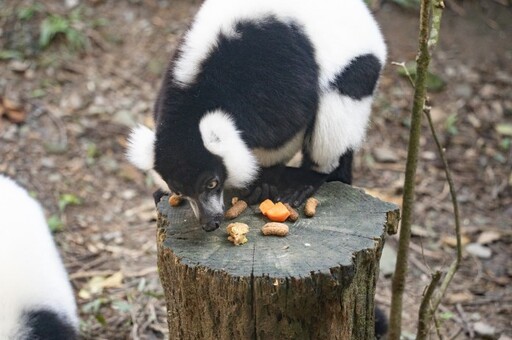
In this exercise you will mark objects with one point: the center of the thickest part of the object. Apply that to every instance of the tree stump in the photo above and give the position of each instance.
(316, 283)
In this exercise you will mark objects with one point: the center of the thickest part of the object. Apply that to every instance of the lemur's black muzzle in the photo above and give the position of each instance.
(211, 225)
(210, 212)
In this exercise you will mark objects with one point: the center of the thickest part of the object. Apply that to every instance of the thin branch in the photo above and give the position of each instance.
(438, 326)
(398, 283)
(425, 313)
(455, 264)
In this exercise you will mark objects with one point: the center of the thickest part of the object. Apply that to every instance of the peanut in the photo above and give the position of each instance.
(236, 210)
(294, 215)
(237, 233)
(275, 228)
(175, 200)
(310, 207)
(234, 199)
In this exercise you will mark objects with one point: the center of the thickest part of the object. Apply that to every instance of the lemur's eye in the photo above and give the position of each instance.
(212, 184)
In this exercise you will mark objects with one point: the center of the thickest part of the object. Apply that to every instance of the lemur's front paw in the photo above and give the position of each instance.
(259, 192)
(266, 186)
(297, 196)
(299, 184)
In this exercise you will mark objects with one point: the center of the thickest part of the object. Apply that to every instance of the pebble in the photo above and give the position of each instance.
(463, 90)
(385, 155)
(488, 91)
(48, 162)
(484, 330)
(19, 66)
(479, 251)
(387, 261)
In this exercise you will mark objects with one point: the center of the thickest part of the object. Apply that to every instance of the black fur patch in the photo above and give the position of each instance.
(381, 323)
(343, 173)
(266, 78)
(359, 78)
(47, 325)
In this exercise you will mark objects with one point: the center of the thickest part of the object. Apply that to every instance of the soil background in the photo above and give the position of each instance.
(66, 113)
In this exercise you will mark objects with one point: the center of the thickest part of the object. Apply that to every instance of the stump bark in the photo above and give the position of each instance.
(316, 283)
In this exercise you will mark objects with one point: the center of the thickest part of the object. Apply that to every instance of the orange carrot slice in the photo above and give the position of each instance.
(278, 213)
(265, 206)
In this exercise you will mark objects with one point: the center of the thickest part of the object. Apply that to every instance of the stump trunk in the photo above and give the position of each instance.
(316, 283)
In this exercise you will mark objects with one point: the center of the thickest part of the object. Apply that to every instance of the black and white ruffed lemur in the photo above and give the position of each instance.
(254, 83)
(36, 299)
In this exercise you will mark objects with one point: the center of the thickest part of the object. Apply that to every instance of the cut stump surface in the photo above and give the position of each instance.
(317, 282)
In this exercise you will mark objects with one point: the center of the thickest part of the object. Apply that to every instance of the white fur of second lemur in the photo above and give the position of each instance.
(31, 271)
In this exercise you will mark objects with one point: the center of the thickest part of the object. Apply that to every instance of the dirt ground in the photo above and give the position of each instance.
(67, 113)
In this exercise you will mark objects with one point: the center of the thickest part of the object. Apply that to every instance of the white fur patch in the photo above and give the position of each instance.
(141, 148)
(215, 205)
(340, 125)
(338, 29)
(221, 138)
(32, 274)
(270, 157)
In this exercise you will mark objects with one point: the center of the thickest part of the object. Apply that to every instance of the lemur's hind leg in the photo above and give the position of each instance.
(343, 173)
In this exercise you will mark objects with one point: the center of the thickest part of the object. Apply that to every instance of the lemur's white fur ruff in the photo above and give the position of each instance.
(270, 157)
(32, 274)
(338, 29)
(221, 137)
(340, 125)
(141, 153)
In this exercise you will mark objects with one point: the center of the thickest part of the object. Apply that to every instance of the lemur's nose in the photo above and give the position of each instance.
(211, 225)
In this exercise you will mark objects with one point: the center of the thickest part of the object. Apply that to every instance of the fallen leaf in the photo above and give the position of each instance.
(10, 104)
(84, 294)
(451, 241)
(460, 297)
(95, 284)
(384, 196)
(488, 237)
(15, 116)
(504, 129)
(114, 281)
(417, 230)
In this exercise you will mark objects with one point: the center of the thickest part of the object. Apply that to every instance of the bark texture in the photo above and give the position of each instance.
(316, 283)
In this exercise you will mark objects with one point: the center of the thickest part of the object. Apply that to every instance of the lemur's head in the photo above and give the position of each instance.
(197, 162)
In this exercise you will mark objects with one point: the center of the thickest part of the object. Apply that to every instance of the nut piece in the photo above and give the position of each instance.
(275, 228)
(175, 200)
(236, 210)
(310, 207)
(237, 233)
(294, 215)
(234, 199)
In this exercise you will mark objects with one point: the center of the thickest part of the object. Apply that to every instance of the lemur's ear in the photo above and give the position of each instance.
(221, 137)
(141, 148)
